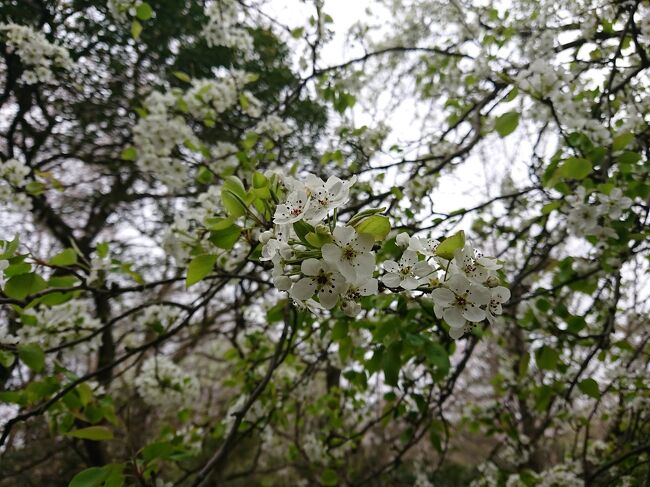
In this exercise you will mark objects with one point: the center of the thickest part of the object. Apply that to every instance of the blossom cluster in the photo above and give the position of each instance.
(593, 218)
(159, 317)
(224, 27)
(53, 326)
(341, 268)
(464, 289)
(162, 382)
(157, 135)
(39, 56)
(545, 81)
(322, 263)
(14, 174)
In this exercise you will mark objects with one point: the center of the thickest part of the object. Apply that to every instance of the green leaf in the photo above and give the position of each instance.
(507, 123)
(297, 32)
(376, 225)
(329, 477)
(18, 268)
(234, 184)
(234, 204)
(437, 356)
(199, 267)
(549, 207)
(621, 141)
(102, 249)
(260, 180)
(85, 393)
(35, 187)
(6, 359)
(162, 449)
(302, 229)
(32, 355)
(204, 175)
(450, 245)
(129, 154)
(364, 214)
(91, 477)
(10, 248)
(62, 281)
(339, 331)
(547, 358)
(276, 313)
(136, 29)
(575, 168)
(64, 258)
(94, 433)
(225, 238)
(590, 388)
(182, 76)
(144, 11)
(23, 285)
(391, 364)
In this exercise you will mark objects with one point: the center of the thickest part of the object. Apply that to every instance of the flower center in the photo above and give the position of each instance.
(322, 278)
(349, 253)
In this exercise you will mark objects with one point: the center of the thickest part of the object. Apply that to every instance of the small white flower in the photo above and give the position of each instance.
(408, 273)
(280, 280)
(293, 209)
(325, 196)
(459, 301)
(402, 240)
(426, 246)
(498, 296)
(615, 203)
(350, 253)
(321, 278)
(468, 263)
(584, 218)
(350, 299)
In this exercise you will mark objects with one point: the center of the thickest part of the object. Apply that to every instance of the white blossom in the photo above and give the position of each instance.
(39, 55)
(408, 273)
(459, 301)
(320, 278)
(162, 383)
(350, 253)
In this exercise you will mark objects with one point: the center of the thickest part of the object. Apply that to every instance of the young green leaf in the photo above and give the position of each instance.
(450, 245)
(94, 433)
(32, 355)
(64, 258)
(575, 168)
(144, 11)
(199, 267)
(23, 285)
(590, 388)
(136, 29)
(376, 225)
(507, 123)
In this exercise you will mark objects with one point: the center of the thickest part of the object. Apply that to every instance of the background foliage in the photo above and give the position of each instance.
(145, 335)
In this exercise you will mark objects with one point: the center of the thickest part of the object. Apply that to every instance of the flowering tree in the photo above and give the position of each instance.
(212, 273)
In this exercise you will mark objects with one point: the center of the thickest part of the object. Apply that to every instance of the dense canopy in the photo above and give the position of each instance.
(259, 242)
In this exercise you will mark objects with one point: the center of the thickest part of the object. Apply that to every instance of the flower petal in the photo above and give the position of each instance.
(391, 279)
(453, 317)
(442, 296)
(303, 289)
(473, 313)
(311, 267)
(331, 253)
